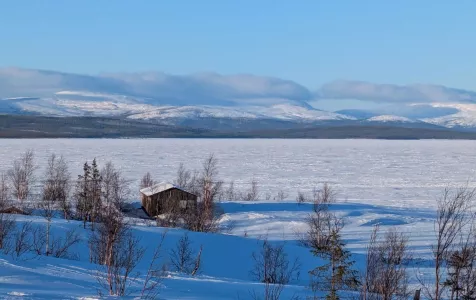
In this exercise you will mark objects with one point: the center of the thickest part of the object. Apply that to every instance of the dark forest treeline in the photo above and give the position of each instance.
(23, 126)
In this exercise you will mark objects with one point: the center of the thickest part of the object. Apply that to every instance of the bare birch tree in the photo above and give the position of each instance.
(461, 265)
(146, 181)
(181, 257)
(207, 186)
(55, 193)
(229, 194)
(47, 207)
(114, 187)
(22, 176)
(4, 192)
(7, 221)
(184, 177)
(57, 184)
(155, 272)
(113, 246)
(451, 218)
(253, 193)
(272, 267)
(21, 242)
(386, 276)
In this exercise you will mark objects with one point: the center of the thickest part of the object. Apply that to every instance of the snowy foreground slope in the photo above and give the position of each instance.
(226, 257)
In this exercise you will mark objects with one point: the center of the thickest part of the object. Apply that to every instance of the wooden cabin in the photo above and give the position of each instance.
(164, 197)
(13, 210)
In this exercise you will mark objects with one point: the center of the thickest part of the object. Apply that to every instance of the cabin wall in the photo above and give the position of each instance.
(161, 202)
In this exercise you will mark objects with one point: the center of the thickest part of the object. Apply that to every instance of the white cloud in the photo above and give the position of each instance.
(366, 91)
(196, 89)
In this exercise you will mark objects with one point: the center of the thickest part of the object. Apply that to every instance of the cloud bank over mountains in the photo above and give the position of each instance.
(390, 93)
(216, 89)
(160, 88)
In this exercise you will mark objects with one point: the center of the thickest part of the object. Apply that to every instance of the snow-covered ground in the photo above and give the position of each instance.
(226, 258)
(392, 183)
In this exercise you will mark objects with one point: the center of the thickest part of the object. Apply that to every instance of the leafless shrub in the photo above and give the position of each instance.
(21, 240)
(461, 266)
(114, 187)
(451, 218)
(184, 177)
(385, 274)
(253, 193)
(119, 271)
(203, 217)
(155, 273)
(321, 223)
(110, 231)
(7, 227)
(146, 181)
(182, 256)
(58, 246)
(7, 221)
(114, 247)
(325, 195)
(272, 267)
(210, 186)
(230, 194)
(38, 236)
(22, 176)
(301, 198)
(4, 192)
(56, 187)
(281, 196)
(61, 246)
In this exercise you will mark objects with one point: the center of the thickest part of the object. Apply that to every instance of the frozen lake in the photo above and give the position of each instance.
(396, 173)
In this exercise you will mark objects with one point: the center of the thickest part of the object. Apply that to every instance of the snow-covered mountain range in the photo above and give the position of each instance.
(171, 99)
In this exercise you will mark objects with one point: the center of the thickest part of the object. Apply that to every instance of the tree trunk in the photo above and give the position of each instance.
(48, 238)
(197, 262)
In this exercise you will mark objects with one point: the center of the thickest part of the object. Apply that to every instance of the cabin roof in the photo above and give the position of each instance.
(159, 187)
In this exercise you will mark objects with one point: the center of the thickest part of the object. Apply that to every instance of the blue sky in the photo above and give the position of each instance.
(311, 42)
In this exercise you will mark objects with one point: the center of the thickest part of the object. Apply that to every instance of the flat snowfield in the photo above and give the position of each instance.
(395, 173)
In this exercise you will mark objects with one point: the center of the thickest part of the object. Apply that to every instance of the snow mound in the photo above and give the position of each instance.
(385, 222)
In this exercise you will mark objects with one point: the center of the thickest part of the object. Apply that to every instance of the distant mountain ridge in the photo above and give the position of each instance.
(208, 100)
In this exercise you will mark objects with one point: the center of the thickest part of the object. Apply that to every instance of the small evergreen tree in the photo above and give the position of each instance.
(337, 274)
(95, 197)
(82, 194)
